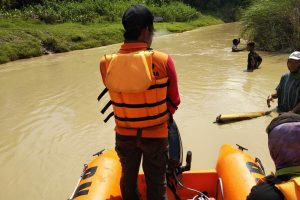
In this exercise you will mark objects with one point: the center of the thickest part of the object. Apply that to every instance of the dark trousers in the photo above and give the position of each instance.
(154, 151)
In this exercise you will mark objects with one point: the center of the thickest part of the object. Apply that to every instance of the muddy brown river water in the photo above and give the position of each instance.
(50, 122)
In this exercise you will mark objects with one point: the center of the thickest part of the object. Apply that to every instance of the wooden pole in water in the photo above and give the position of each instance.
(227, 118)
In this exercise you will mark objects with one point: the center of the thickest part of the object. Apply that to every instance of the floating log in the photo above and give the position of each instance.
(228, 118)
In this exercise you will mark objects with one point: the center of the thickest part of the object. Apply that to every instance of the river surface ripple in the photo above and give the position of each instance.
(50, 122)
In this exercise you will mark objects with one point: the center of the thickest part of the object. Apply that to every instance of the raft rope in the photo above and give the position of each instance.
(200, 194)
(172, 187)
(221, 188)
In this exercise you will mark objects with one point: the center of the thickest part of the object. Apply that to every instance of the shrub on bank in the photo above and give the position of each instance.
(229, 10)
(90, 11)
(273, 24)
(16, 4)
(175, 12)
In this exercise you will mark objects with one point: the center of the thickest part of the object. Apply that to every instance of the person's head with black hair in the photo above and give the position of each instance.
(250, 46)
(137, 21)
(236, 41)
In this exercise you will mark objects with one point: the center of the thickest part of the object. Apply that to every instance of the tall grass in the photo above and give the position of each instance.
(31, 28)
(17, 4)
(175, 12)
(93, 11)
(20, 39)
(273, 24)
(25, 39)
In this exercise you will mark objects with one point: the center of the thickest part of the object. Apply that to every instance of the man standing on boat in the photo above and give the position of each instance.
(142, 84)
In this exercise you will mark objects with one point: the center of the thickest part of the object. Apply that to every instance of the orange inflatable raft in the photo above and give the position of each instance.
(232, 179)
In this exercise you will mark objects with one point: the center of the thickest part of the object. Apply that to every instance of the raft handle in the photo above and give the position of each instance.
(260, 165)
(187, 167)
(220, 184)
(99, 153)
(85, 166)
(200, 195)
(241, 148)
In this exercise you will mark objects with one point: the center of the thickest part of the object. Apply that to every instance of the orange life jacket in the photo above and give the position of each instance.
(139, 99)
(290, 189)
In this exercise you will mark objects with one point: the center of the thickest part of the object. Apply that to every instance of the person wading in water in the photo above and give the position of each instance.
(254, 60)
(288, 90)
(235, 43)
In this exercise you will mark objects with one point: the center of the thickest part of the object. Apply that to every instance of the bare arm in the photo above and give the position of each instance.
(272, 97)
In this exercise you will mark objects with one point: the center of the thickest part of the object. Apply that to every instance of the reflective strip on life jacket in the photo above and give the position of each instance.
(290, 189)
(138, 98)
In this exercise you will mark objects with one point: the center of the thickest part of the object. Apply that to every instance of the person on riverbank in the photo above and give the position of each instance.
(288, 90)
(283, 141)
(254, 60)
(143, 87)
(235, 43)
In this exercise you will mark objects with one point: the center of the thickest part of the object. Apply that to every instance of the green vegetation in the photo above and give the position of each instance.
(229, 10)
(273, 24)
(177, 27)
(24, 39)
(96, 11)
(33, 28)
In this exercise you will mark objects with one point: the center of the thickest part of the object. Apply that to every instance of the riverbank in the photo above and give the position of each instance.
(273, 25)
(21, 39)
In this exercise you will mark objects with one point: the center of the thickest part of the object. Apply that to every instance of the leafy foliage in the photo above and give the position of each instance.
(90, 11)
(273, 24)
(229, 10)
(176, 11)
(37, 27)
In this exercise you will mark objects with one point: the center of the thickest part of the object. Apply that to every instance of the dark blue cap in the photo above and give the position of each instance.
(137, 16)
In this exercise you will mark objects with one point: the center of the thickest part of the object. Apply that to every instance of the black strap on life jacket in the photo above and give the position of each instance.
(158, 86)
(129, 106)
(134, 105)
(141, 118)
(109, 116)
(102, 94)
(135, 119)
(144, 105)
(106, 107)
(105, 90)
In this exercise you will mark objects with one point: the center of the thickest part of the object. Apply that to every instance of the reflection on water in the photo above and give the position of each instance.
(50, 122)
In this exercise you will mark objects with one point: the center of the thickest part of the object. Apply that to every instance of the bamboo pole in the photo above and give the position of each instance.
(227, 118)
